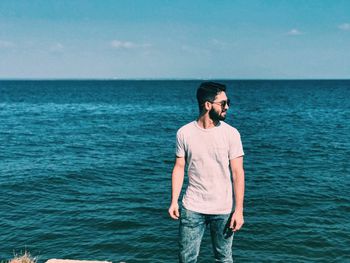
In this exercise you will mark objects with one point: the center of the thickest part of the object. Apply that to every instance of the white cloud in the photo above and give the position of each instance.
(122, 44)
(218, 43)
(195, 50)
(57, 48)
(6, 44)
(345, 27)
(294, 32)
(118, 44)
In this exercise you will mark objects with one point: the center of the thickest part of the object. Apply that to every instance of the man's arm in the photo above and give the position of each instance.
(238, 185)
(177, 179)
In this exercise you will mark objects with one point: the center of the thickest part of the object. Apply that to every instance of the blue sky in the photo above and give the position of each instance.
(270, 39)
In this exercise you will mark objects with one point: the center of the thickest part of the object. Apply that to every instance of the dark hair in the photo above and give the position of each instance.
(207, 91)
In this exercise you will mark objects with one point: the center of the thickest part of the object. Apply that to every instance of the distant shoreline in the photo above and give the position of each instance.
(170, 79)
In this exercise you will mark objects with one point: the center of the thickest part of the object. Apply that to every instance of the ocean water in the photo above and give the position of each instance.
(85, 169)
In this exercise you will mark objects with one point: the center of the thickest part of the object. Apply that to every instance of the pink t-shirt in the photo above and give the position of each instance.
(208, 153)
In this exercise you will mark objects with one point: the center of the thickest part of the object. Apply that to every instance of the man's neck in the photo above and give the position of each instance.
(205, 122)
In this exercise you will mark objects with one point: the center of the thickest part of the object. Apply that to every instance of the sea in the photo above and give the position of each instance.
(85, 168)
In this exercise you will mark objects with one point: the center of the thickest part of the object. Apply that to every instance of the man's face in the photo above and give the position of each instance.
(219, 107)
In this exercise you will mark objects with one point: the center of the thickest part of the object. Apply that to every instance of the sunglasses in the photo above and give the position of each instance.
(222, 103)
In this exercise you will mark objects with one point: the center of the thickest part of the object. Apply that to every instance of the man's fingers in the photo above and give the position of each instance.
(237, 226)
(174, 216)
(177, 214)
(233, 224)
(174, 213)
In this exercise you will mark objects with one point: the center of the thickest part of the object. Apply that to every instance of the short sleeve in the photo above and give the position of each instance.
(180, 145)
(236, 147)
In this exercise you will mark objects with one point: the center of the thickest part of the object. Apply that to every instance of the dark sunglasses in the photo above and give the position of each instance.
(222, 103)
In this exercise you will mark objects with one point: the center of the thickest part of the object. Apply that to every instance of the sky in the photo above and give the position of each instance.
(184, 39)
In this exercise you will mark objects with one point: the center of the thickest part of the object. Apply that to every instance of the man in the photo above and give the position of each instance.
(212, 151)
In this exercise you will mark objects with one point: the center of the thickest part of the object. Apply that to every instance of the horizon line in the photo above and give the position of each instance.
(163, 79)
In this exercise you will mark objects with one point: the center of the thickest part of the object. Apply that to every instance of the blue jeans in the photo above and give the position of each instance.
(192, 227)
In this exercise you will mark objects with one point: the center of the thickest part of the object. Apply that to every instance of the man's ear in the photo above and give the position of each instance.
(207, 106)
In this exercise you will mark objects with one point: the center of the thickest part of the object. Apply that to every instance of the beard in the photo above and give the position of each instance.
(215, 116)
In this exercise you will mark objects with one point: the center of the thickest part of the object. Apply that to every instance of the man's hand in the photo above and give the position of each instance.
(177, 179)
(237, 221)
(174, 211)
